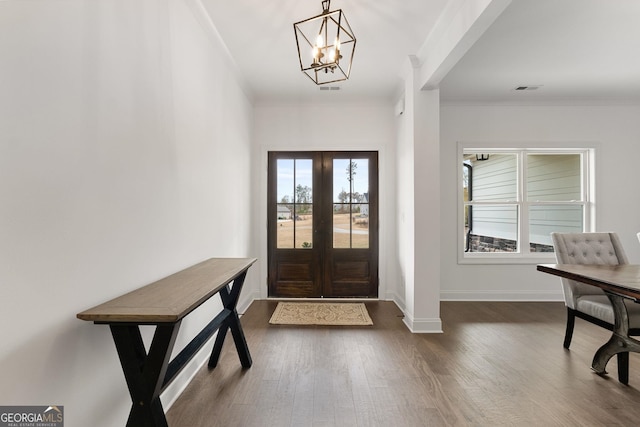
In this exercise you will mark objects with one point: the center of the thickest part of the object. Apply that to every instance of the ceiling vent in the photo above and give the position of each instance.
(530, 87)
(329, 87)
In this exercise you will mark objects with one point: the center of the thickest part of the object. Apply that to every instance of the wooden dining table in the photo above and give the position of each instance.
(619, 282)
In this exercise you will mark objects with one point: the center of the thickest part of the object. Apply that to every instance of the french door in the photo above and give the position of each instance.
(323, 224)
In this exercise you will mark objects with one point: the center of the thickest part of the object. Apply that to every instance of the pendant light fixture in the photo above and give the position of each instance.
(325, 46)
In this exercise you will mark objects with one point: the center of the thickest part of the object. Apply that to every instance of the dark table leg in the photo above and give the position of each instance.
(230, 300)
(620, 343)
(144, 372)
(148, 374)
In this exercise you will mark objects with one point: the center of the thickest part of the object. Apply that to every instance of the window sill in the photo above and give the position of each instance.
(508, 259)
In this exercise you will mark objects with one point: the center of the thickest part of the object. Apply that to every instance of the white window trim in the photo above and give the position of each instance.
(588, 150)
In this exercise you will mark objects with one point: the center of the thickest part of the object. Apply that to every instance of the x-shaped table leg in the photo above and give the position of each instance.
(230, 300)
(144, 372)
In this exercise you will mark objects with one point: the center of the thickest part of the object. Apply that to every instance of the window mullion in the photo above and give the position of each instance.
(523, 205)
(585, 181)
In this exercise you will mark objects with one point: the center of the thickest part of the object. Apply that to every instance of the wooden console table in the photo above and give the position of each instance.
(164, 304)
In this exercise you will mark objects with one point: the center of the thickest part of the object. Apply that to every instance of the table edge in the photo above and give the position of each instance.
(116, 317)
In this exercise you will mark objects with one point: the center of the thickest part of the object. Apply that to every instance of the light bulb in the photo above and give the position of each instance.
(332, 55)
(319, 41)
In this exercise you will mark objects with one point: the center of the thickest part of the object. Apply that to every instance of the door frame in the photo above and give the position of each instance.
(320, 271)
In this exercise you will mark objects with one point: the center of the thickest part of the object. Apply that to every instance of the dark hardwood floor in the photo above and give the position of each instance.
(496, 364)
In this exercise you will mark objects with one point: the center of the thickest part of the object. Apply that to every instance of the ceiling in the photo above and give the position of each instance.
(577, 51)
(573, 51)
(260, 36)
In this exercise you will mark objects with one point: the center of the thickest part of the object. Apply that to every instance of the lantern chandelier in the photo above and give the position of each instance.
(325, 46)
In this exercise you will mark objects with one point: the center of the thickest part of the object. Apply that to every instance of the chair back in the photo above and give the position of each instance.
(586, 248)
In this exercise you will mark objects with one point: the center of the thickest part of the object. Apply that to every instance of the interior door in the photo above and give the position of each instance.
(323, 224)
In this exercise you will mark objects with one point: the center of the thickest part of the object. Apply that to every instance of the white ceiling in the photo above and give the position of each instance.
(260, 36)
(577, 51)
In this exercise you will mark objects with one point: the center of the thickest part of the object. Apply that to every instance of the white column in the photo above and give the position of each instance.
(427, 211)
(419, 154)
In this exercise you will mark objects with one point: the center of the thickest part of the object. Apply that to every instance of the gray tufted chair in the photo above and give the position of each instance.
(589, 302)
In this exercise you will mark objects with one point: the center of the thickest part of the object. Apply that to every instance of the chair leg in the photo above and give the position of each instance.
(571, 320)
(623, 368)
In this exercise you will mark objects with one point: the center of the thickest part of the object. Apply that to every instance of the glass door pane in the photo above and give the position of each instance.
(285, 191)
(351, 203)
(294, 204)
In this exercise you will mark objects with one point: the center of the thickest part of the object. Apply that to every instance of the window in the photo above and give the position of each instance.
(513, 199)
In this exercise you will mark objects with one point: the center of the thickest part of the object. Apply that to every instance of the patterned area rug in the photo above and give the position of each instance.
(322, 313)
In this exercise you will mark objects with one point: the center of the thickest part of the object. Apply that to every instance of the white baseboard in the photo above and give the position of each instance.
(175, 389)
(246, 301)
(399, 300)
(423, 326)
(532, 296)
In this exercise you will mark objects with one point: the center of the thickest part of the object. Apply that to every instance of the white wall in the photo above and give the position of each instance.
(327, 127)
(615, 130)
(121, 129)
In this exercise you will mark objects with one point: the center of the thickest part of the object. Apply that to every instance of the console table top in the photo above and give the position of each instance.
(171, 298)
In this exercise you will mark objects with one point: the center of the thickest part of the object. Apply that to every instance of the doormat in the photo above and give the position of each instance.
(322, 313)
